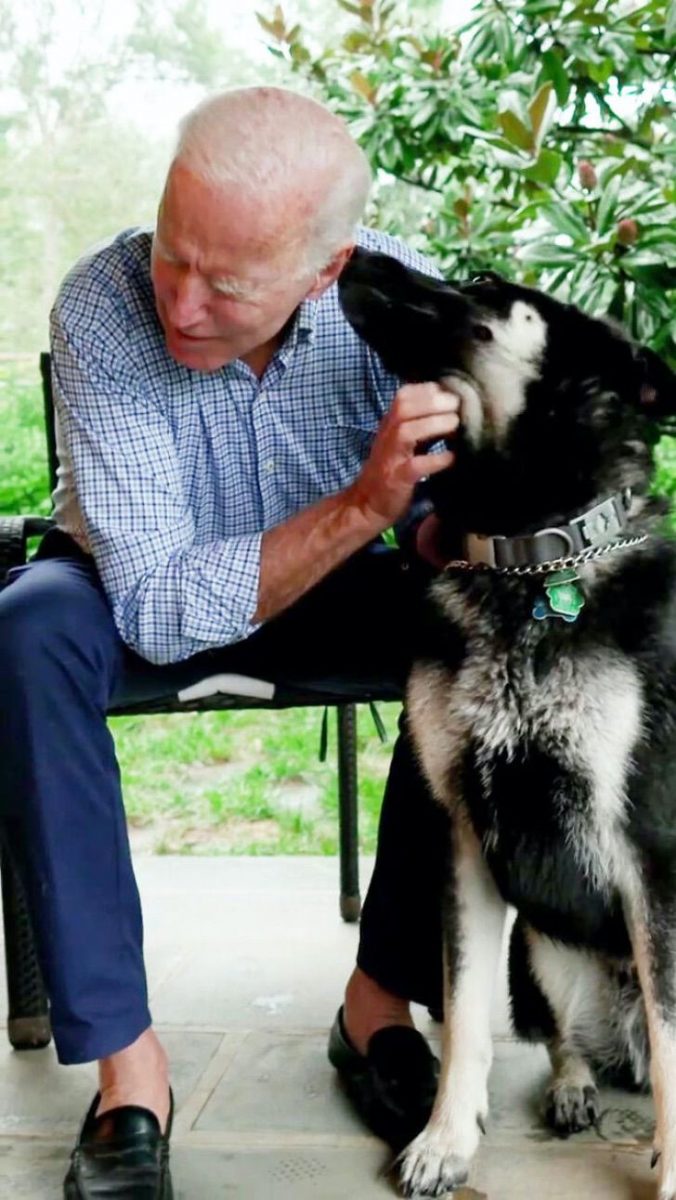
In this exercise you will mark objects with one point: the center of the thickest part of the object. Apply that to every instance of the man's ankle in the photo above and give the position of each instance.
(137, 1074)
(369, 1007)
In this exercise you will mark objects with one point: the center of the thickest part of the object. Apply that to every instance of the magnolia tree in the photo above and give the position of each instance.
(539, 140)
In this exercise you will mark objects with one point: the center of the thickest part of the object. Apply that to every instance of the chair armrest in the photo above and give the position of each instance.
(14, 534)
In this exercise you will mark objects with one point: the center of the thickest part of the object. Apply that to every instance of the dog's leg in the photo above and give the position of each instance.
(437, 1161)
(576, 986)
(651, 925)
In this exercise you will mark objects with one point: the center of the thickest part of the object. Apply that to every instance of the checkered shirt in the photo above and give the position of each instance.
(169, 476)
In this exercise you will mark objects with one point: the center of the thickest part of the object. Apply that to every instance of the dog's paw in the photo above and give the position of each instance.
(570, 1109)
(667, 1174)
(428, 1170)
(667, 1187)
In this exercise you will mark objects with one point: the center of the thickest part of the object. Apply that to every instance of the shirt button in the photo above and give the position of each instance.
(269, 465)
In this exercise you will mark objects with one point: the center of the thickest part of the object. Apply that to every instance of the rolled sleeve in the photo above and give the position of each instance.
(199, 598)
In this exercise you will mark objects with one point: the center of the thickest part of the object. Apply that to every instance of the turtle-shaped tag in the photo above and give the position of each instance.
(563, 598)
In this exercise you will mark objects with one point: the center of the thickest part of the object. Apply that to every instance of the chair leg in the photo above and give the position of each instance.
(350, 899)
(28, 1025)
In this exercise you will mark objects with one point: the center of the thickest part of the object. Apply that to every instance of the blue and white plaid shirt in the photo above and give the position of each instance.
(169, 476)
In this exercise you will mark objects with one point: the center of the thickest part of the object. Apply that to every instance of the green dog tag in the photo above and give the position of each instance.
(565, 597)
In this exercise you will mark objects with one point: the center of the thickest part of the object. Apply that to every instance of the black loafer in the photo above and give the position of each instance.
(393, 1085)
(121, 1155)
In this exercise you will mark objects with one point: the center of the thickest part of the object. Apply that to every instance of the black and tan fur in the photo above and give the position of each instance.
(552, 745)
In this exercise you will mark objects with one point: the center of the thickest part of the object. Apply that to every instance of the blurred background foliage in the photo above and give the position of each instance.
(538, 140)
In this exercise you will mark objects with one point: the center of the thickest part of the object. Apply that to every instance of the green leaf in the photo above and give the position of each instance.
(608, 204)
(275, 28)
(567, 221)
(553, 68)
(362, 85)
(601, 296)
(423, 114)
(670, 28)
(579, 282)
(655, 276)
(355, 41)
(646, 258)
(601, 72)
(546, 169)
(481, 45)
(541, 110)
(549, 254)
(504, 41)
(539, 7)
(508, 160)
(299, 54)
(351, 8)
(515, 131)
(658, 236)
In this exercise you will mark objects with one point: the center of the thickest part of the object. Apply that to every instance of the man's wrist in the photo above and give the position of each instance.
(361, 515)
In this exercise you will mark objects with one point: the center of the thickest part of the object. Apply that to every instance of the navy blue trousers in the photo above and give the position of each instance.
(63, 666)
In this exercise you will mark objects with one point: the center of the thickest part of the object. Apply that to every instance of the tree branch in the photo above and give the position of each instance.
(603, 103)
(427, 187)
(625, 135)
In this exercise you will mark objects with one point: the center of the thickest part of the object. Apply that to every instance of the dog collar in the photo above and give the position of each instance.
(596, 527)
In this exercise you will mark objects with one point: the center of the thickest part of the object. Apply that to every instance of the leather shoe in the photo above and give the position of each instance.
(392, 1087)
(121, 1155)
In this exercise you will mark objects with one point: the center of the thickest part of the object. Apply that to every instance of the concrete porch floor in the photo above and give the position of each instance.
(247, 959)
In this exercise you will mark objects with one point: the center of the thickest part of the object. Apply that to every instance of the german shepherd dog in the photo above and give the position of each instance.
(542, 699)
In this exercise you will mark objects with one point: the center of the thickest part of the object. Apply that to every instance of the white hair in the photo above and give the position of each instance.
(278, 146)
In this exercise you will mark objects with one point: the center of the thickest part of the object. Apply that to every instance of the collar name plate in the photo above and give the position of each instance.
(563, 596)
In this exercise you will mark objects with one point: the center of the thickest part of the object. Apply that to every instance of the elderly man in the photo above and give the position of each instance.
(229, 451)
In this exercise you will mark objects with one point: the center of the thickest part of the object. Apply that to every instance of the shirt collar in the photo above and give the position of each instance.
(302, 330)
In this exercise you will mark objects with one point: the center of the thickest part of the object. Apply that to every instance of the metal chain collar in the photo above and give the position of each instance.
(555, 564)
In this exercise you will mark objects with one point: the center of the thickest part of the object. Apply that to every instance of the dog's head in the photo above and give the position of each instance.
(567, 408)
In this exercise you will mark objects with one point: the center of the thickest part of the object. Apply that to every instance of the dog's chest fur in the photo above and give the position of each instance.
(538, 759)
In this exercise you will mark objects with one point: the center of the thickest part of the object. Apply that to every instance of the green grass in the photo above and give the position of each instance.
(239, 782)
(244, 782)
(24, 483)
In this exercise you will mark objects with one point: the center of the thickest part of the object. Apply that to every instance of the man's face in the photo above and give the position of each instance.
(225, 275)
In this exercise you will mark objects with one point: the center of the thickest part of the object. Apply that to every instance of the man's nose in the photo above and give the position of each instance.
(188, 300)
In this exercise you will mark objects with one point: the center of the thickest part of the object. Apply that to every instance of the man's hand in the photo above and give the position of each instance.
(299, 552)
(427, 541)
(421, 412)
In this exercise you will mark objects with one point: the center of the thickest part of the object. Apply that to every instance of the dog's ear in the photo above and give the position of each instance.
(657, 395)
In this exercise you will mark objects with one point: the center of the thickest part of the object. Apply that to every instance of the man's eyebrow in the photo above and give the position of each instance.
(228, 285)
(231, 286)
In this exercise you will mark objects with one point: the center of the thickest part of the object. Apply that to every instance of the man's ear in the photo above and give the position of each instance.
(658, 385)
(329, 273)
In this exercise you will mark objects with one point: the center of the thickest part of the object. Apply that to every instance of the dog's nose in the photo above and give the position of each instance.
(368, 268)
